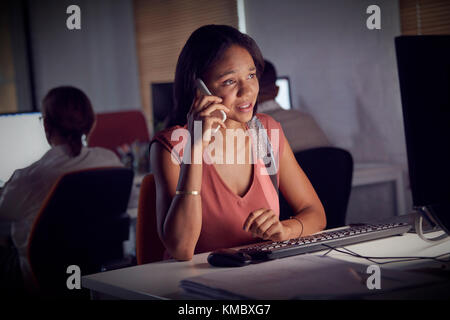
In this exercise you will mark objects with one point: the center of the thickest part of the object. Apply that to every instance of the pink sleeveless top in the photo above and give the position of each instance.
(223, 211)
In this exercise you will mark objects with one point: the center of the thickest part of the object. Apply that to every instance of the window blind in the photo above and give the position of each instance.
(162, 28)
(425, 17)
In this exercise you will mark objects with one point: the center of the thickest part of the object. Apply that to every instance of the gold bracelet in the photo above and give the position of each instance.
(294, 217)
(194, 193)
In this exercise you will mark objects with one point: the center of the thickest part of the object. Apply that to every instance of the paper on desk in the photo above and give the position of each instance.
(299, 277)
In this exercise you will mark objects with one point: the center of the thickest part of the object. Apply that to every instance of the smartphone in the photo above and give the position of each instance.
(204, 89)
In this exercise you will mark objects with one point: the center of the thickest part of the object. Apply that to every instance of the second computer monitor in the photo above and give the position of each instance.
(22, 141)
(284, 92)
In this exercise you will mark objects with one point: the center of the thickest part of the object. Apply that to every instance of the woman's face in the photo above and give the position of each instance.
(233, 78)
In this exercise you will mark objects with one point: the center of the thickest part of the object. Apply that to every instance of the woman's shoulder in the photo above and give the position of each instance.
(169, 137)
(267, 121)
(274, 130)
(166, 133)
(103, 156)
(101, 151)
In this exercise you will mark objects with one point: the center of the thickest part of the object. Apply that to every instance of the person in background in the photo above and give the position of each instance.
(68, 118)
(301, 129)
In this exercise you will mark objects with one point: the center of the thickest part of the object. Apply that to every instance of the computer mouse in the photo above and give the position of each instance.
(228, 258)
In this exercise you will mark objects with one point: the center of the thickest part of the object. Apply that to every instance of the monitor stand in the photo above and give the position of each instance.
(424, 212)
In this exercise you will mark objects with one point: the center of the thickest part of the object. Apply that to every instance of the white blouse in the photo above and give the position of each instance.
(24, 193)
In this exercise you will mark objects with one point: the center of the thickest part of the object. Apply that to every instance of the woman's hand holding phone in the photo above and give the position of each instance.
(209, 110)
(204, 90)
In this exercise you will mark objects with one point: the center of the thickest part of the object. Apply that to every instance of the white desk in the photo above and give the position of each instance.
(161, 280)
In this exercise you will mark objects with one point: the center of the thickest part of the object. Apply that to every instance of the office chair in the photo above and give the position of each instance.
(330, 171)
(113, 129)
(149, 247)
(82, 222)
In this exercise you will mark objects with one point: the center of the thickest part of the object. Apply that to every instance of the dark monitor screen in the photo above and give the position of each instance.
(424, 74)
(163, 104)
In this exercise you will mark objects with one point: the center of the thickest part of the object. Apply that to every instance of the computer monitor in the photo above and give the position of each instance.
(163, 103)
(424, 74)
(22, 142)
(284, 92)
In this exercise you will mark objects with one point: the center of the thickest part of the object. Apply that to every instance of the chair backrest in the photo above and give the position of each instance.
(113, 129)
(330, 171)
(82, 222)
(149, 247)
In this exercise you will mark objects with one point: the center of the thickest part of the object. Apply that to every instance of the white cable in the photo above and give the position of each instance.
(419, 231)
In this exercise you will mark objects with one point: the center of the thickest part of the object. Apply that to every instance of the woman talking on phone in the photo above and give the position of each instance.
(215, 194)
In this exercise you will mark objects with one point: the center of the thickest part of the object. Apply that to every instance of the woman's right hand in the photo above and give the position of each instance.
(204, 109)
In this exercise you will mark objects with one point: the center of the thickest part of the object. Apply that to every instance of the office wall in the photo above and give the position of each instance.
(99, 59)
(342, 73)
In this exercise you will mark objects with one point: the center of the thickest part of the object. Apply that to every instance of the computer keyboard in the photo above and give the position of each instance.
(324, 240)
